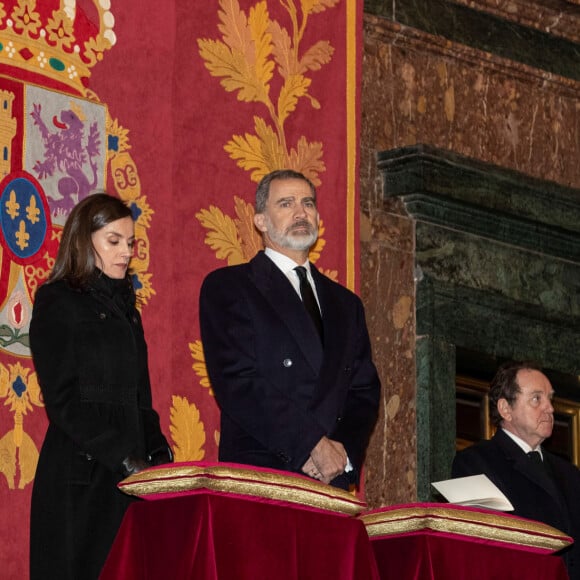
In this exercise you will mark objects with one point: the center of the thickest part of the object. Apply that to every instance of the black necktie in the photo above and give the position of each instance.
(309, 299)
(536, 458)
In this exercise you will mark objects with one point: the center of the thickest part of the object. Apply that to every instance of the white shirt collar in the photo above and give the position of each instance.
(283, 262)
(521, 443)
(287, 265)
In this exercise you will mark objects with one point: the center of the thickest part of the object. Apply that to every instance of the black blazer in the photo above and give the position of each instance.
(553, 499)
(278, 388)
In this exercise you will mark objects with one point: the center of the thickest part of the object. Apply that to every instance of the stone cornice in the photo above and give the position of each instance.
(556, 17)
(493, 225)
(452, 191)
(485, 33)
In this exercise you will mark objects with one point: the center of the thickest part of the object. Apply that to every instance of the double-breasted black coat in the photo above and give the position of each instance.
(279, 389)
(552, 497)
(90, 356)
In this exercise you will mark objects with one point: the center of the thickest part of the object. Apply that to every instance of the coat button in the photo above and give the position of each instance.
(102, 316)
(287, 362)
(283, 456)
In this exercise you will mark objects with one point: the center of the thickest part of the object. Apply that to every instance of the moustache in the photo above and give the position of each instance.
(301, 224)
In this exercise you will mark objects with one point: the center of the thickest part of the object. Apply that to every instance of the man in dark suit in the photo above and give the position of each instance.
(293, 377)
(540, 485)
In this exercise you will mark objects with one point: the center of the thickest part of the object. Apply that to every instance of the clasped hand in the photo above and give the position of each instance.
(327, 460)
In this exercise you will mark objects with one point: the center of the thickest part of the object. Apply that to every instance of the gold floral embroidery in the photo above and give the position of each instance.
(187, 430)
(18, 453)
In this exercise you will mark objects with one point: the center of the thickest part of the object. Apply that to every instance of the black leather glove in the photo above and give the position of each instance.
(132, 465)
(160, 456)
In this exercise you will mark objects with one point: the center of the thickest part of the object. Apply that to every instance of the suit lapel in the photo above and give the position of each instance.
(338, 342)
(526, 467)
(285, 302)
(554, 477)
(332, 316)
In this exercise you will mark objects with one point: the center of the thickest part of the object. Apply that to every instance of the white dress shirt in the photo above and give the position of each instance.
(287, 265)
(521, 443)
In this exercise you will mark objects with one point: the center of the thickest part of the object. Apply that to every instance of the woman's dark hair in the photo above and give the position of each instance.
(75, 260)
(504, 385)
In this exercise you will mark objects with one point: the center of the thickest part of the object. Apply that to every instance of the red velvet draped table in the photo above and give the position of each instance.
(229, 522)
(228, 536)
(209, 536)
(448, 542)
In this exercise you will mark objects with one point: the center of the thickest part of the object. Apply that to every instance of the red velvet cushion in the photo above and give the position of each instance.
(475, 524)
(260, 484)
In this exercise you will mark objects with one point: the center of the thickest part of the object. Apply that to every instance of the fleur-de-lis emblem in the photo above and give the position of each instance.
(23, 220)
(12, 206)
(33, 211)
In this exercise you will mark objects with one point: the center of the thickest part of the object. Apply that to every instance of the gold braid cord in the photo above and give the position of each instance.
(488, 526)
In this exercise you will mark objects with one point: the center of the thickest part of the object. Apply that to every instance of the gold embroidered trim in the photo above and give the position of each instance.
(486, 526)
(257, 484)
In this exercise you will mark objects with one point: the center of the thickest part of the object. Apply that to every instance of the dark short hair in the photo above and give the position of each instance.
(263, 190)
(504, 385)
(75, 260)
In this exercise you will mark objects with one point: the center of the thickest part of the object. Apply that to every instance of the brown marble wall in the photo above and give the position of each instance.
(422, 89)
(388, 291)
(419, 88)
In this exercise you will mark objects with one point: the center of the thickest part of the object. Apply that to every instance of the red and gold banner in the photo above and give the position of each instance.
(179, 108)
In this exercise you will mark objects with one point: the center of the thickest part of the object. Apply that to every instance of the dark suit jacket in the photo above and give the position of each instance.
(554, 500)
(280, 391)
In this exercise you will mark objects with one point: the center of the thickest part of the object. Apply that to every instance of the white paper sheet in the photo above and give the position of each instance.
(474, 490)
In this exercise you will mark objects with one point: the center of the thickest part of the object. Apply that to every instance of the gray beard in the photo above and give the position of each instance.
(292, 242)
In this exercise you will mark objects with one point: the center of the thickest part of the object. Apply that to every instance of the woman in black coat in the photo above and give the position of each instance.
(90, 356)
